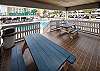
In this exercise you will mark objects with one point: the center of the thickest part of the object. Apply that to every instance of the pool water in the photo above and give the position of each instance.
(43, 24)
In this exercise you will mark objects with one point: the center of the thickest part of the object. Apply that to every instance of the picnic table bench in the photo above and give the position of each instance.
(71, 30)
(17, 61)
(47, 55)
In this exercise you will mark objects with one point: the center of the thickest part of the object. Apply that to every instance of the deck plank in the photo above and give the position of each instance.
(81, 47)
(86, 49)
(98, 57)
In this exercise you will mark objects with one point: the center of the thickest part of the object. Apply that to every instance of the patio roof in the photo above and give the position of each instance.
(54, 4)
(84, 6)
(67, 3)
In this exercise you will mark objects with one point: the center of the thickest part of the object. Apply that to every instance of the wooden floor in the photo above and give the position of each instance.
(86, 48)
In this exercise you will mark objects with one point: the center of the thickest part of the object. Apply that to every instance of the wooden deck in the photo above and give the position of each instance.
(86, 48)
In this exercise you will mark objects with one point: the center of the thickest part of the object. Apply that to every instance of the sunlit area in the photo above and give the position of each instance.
(15, 14)
(49, 35)
(89, 14)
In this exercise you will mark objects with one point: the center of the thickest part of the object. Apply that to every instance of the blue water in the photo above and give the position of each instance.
(43, 24)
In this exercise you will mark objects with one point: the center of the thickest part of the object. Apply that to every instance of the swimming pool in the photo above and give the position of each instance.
(43, 24)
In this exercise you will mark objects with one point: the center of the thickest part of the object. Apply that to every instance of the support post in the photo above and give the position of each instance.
(99, 30)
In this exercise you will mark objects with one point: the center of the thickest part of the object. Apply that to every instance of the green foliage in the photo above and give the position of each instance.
(88, 10)
(33, 12)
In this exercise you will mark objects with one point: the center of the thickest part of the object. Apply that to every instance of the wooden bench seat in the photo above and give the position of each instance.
(47, 55)
(17, 61)
(75, 30)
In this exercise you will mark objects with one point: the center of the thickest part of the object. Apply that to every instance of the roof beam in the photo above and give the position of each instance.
(84, 6)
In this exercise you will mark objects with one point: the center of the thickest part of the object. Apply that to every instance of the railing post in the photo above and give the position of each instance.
(1, 40)
(99, 29)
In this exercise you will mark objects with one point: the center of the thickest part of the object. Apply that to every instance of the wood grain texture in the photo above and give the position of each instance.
(86, 48)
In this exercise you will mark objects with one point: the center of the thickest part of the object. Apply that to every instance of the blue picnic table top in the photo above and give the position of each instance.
(48, 56)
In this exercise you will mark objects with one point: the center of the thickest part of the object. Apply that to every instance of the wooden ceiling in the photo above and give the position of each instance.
(66, 3)
(54, 4)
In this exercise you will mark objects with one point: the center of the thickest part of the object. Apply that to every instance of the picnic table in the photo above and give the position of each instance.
(47, 55)
(70, 29)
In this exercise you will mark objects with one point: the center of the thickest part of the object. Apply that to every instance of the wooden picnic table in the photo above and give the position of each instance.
(47, 55)
(70, 29)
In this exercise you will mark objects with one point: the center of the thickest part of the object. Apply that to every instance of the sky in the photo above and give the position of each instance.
(2, 8)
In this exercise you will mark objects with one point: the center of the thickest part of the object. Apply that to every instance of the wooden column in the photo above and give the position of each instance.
(99, 30)
(1, 40)
(66, 15)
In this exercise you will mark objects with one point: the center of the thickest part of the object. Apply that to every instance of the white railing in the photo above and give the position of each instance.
(24, 29)
(90, 27)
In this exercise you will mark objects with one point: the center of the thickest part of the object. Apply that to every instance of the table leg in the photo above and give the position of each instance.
(24, 47)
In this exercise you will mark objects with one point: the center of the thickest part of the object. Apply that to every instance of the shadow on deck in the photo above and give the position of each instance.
(86, 48)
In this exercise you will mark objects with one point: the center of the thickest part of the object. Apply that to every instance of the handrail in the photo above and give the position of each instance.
(90, 27)
(86, 26)
(24, 29)
(95, 21)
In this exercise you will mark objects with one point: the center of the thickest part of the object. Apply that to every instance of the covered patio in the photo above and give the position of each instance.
(81, 42)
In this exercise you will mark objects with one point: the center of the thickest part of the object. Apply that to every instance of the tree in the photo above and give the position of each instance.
(45, 13)
(33, 12)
